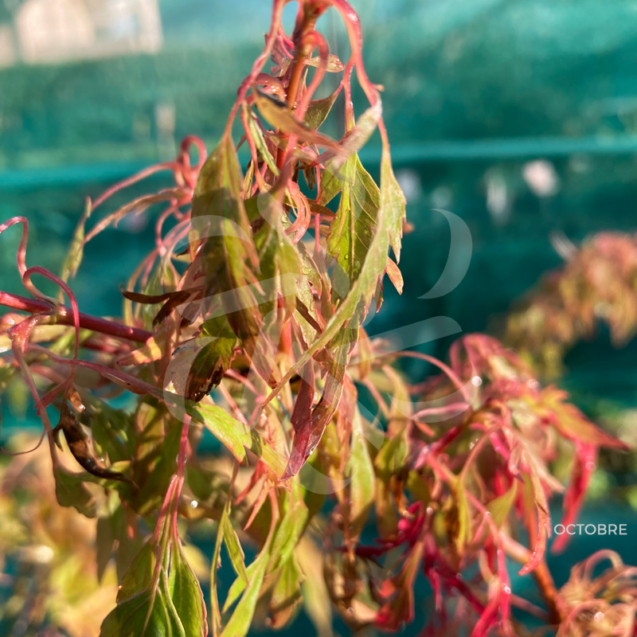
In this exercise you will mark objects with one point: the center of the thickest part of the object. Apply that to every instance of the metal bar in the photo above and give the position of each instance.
(464, 150)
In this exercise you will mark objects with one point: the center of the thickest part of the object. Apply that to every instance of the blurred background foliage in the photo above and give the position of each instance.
(519, 116)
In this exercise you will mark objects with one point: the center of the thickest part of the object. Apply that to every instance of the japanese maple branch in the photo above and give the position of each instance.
(305, 23)
(545, 583)
(549, 593)
(64, 316)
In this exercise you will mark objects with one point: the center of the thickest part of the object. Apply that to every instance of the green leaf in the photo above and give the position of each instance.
(213, 359)
(219, 219)
(281, 271)
(71, 491)
(76, 249)
(112, 429)
(318, 110)
(140, 609)
(334, 65)
(149, 614)
(237, 557)
(357, 135)
(214, 566)
(259, 140)
(279, 115)
(353, 229)
(331, 185)
(463, 534)
(316, 598)
(290, 529)
(162, 599)
(313, 477)
(109, 522)
(287, 535)
(239, 585)
(139, 575)
(235, 435)
(335, 175)
(153, 287)
(392, 456)
(286, 595)
(393, 204)
(418, 487)
(401, 405)
(501, 506)
(156, 460)
(186, 594)
(361, 472)
(391, 215)
(239, 623)
(387, 520)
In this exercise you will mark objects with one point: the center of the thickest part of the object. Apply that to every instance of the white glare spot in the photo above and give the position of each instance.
(541, 177)
(409, 182)
(498, 200)
(507, 590)
(43, 554)
(599, 616)
(476, 381)
(194, 504)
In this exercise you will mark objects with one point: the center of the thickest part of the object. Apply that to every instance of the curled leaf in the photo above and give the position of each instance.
(318, 110)
(279, 115)
(78, 443)
(334, 65)
(213, 359)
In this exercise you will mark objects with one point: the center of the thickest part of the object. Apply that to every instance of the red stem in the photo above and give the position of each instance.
(305, 22)
(64, 316)
(544, 580)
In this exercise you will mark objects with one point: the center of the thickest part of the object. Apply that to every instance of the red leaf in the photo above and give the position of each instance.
(309, 432)
(583, 467)
(302, 412)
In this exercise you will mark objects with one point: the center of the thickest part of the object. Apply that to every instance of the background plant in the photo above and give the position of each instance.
(595, 286)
